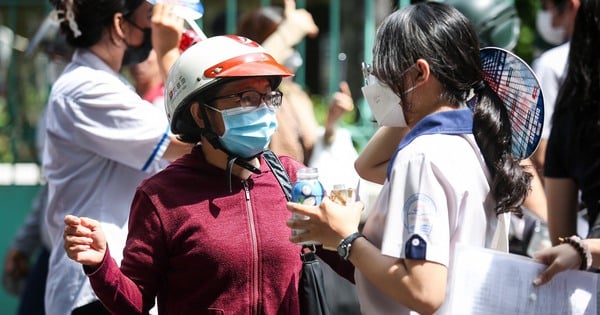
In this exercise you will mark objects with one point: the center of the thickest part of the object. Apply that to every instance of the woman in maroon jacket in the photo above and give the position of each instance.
(207, 235)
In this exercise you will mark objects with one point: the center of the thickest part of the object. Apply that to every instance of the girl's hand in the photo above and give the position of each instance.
(328, 223)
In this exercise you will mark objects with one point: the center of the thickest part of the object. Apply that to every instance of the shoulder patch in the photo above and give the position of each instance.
(420, 212)
(415, 248)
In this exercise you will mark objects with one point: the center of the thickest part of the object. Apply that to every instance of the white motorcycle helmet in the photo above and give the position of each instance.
(210, 61)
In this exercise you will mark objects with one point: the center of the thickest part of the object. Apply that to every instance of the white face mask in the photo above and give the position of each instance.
(385, 105)
(552, 35)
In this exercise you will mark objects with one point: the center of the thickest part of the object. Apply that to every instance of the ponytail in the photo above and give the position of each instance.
(492, 131)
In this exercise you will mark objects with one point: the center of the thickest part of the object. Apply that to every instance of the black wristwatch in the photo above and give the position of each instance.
(343, 248)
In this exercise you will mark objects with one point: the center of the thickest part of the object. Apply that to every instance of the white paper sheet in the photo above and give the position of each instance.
(488, 282)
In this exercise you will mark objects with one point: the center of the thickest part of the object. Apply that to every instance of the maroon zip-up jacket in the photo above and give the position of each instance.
(200, 249)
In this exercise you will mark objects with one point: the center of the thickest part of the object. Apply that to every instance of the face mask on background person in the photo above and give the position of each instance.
(552, 35)
(248, 130)
(136, 54)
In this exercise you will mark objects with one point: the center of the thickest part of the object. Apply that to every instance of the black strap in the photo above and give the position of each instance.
(279, 172)
(307, 253)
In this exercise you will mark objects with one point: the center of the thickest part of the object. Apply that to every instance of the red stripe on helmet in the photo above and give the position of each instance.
(246, 65)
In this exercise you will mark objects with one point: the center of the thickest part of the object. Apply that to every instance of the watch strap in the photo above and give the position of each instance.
(346, 244)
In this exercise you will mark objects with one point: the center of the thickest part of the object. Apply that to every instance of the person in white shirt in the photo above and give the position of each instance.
(452, 178)
(555, 24)
(102, 139)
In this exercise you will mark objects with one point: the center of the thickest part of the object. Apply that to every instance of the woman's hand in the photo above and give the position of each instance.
(328, 223)
(16, 269)
(85, 241)
(300, 18)
(558, 258)
(167, 29)
(341, 103)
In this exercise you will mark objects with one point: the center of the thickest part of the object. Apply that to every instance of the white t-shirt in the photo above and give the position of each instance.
(437, 194)
(102, 140)
(549, 68)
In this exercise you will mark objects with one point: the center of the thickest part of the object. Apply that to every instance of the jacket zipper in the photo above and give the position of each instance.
(254, 280)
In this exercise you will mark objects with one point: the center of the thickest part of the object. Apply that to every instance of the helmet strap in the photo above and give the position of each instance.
(232, 158)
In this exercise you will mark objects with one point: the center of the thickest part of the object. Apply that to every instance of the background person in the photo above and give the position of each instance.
(148, 81)
(26, 262)
(572, 167)
(102, 139)
(279, 30)
(555, 24)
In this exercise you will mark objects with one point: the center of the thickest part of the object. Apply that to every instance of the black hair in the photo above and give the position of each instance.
(442, 36)
(579, 94)
(92, 18)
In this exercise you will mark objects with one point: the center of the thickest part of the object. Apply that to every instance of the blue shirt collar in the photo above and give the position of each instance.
(452, 122)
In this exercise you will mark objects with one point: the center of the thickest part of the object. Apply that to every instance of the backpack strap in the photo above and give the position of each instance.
(286, 185)
(279, 172)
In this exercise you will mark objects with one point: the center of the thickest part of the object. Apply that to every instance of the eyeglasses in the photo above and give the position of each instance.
(367, 70)
(252, 98)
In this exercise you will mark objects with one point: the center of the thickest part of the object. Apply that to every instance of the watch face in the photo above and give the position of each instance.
(342, 250)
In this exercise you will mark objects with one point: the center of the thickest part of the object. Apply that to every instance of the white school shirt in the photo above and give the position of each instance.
(437, 194)
(102, 140)
(550, 68)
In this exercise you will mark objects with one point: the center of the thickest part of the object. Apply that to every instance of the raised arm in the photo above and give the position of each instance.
(372, 162)
(167, 29)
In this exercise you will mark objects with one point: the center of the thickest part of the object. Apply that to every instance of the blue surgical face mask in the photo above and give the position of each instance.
(248, 130)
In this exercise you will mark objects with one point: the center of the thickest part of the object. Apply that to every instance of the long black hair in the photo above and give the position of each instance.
(579, 95)
(442, 36)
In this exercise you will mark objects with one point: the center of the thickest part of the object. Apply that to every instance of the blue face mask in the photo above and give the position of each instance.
(248, 130)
